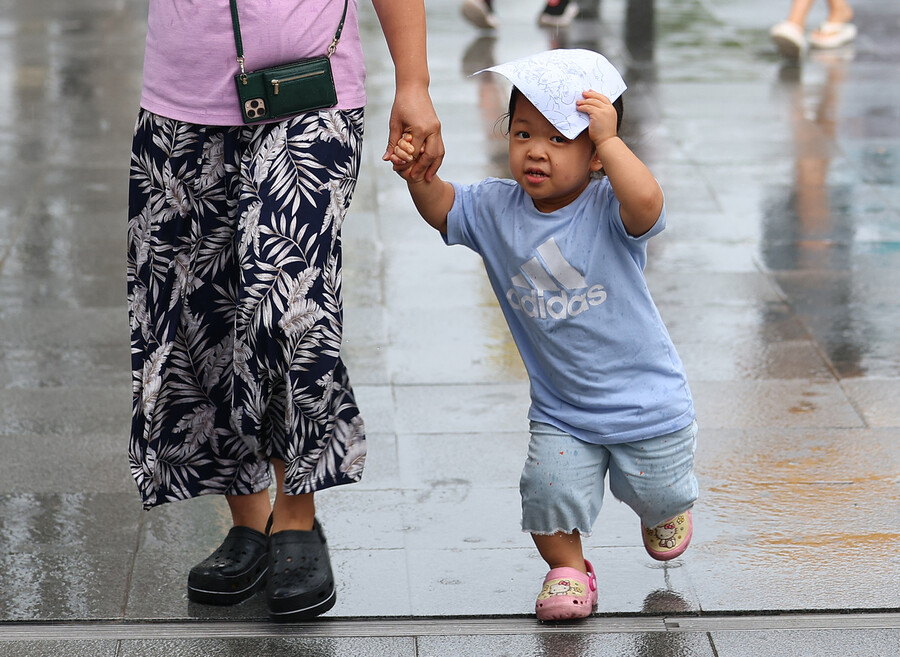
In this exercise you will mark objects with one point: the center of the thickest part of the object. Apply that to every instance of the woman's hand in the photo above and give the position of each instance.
(403, 24)
(414, 118)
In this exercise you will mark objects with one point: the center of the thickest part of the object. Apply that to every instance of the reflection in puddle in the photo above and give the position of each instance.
(817, 231)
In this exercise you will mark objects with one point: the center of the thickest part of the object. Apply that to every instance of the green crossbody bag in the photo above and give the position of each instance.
(287, 89)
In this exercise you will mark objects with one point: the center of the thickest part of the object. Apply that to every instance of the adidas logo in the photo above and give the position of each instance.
(552, 284)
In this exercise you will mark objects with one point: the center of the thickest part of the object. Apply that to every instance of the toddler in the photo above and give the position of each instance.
(564, 244)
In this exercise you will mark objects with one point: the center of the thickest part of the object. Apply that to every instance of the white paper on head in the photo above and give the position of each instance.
(554, 79)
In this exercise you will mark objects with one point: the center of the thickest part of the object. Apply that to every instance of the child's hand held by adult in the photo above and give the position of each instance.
(403, 156)
(414, 115)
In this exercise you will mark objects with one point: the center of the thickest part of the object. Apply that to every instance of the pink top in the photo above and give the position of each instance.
(190, 58)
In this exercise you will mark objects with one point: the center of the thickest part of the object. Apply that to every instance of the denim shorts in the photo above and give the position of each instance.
(563, 480)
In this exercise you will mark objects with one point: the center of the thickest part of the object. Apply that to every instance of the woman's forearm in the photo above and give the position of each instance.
(403, 24)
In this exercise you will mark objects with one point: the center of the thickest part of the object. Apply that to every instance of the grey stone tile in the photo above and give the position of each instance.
(482, 460)
(272, 647)
(650, 644)
(706, 256)
(61, 238)
(675, 290)
(797, 456)
(467, 582)
(754, 404)
(67, 328)
(448, 517)
(362, 283)
(455, 276)
(462, 408)
(41, 463)
(42, 585)
(68, 523)
(376, 402)
(372, 583)
(475, 347)
(21, 288)
(55, 365)
(365, 349)
(65, 411)
(794, 575)
(69, 648)
(821, 643)
(825, 497)
(356, 519)
(876, 399)
(754, 360)
(726, 325)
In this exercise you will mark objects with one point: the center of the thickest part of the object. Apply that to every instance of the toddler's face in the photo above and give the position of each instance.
(552, 170)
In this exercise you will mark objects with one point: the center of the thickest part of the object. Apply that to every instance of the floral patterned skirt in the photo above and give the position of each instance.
(234, 292)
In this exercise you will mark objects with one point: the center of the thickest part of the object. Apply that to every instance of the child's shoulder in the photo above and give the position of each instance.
(489, 188)
(498, 183)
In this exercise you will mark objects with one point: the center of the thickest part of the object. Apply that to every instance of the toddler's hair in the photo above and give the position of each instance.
(514, 96)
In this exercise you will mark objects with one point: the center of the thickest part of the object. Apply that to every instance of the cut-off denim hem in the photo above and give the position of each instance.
(562, 484)
(558, 531)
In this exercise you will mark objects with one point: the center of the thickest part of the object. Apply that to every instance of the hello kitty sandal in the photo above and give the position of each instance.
(568, 593)
(669, 539)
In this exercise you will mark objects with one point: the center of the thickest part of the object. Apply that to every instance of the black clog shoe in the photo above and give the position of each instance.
(234, 572)
(300, 584)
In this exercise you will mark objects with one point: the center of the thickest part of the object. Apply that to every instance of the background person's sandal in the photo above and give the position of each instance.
(833, 35)
(789, 38)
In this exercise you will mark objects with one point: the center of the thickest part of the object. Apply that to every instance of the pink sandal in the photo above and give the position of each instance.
(670, 539)
(567, 594)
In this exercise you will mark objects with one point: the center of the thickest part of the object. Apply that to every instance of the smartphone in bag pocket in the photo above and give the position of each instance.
(286, 90)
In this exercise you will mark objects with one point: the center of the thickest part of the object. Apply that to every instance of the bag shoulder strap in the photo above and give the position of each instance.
(239, 45)
(236, 25)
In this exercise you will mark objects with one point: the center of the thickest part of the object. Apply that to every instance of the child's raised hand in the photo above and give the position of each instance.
(602, 114)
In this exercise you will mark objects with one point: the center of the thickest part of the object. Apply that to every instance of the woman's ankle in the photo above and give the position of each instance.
(293, 512)
(250, 510)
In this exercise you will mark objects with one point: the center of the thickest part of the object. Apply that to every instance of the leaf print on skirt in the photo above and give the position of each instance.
(234, 286)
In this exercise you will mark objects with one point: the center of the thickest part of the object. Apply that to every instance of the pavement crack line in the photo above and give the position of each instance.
(444, 626)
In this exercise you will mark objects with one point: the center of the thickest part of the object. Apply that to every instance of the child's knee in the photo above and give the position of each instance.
(655, 504)
(656, 477)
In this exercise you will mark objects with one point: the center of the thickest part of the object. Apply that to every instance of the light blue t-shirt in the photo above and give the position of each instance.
(571, 285)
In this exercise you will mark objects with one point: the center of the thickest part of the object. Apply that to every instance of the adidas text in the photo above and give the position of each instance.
(559, 305)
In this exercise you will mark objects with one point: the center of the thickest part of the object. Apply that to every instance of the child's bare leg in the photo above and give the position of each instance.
(561, 550)
(799, 11)
(839, 11)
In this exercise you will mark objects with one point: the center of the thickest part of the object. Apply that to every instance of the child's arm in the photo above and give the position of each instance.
(433, 198)
(639, 195)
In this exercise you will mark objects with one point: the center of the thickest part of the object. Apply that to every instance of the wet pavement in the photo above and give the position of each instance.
(777, 276)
